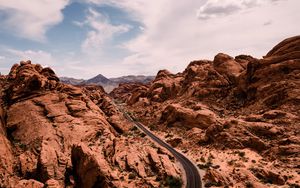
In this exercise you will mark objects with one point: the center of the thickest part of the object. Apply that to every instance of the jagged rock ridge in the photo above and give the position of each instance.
(239, 115)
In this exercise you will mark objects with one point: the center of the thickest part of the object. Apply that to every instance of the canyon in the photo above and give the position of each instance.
(236, 118)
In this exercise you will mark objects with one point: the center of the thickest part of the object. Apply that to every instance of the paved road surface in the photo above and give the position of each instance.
(191, 171)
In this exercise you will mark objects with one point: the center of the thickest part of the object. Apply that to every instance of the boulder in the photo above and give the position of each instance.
(28, 164)
(268, 176)
(90, 170)
(213, 177)
(177, 115)
(227, 66)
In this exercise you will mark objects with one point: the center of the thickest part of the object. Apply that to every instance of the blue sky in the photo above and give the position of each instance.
(82, 38)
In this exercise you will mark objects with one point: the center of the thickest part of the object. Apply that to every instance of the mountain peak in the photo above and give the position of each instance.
(98, 79)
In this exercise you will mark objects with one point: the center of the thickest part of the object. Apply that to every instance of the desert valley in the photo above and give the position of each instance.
(236, 120)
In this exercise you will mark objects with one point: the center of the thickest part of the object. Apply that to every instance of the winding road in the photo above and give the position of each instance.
(192, 174)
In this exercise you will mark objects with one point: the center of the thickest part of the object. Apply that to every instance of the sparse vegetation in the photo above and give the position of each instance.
(173, 182)
(158, 178)
(169, 135)
(143, 134)
(248, 184)
(134, 128)
(151, 127)
(202, 159)
(203, 166)
(210, 184)
(241, 153)
(131, 175)
(216, 166)
(294, 185)
(231, 162)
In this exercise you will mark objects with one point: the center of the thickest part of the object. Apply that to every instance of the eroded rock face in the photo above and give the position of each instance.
(227, 66)
(176, 114)
(125, 91)
(55, 135)
(6, 157)
(231, 104)
(30, 184)
(28, 79)
(90, 170)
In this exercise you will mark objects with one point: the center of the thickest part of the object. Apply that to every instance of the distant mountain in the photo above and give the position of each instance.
(72, 81)
(131, 79)
(99, 79)
(108, 83)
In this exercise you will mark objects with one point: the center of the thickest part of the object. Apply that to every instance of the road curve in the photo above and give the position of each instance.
(192, 174)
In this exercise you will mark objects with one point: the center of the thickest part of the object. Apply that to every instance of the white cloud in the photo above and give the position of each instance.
(41, 57)
(31, 19)
(13, 56)
(173, 34)
(101, 31)
(215, 8)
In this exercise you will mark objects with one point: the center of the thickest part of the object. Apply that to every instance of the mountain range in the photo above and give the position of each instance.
(108, 83)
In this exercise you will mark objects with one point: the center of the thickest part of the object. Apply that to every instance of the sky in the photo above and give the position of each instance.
(84, 38)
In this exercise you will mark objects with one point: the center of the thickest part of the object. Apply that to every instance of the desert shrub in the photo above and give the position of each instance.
(131, 176)
(173, 182)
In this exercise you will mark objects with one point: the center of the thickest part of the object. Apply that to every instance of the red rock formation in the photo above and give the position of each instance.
(238, 103)
(55, 135)
(125, 92)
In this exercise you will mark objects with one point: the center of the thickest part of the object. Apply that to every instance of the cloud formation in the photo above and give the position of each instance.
(217, 8)
(170, 33)
(39, 56)
(101, 30)
(174, 35)
(31, 20)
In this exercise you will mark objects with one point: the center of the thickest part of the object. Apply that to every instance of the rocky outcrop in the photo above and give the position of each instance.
(286, 48)
(125, 91)
(106, 104)
(231, 104)
(6, 157)
(268, 176)
(165, 86)
(91, 170)
(55, 135)
(237, 134)
(29, 184)
(227, 66)
(215, 178)
(176, 115)
(279, 89)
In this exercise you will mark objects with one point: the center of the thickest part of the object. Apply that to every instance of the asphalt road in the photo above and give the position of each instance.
(192, 174)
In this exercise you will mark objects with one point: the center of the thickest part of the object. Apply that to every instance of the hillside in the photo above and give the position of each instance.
(237, 117)
(58, 135)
